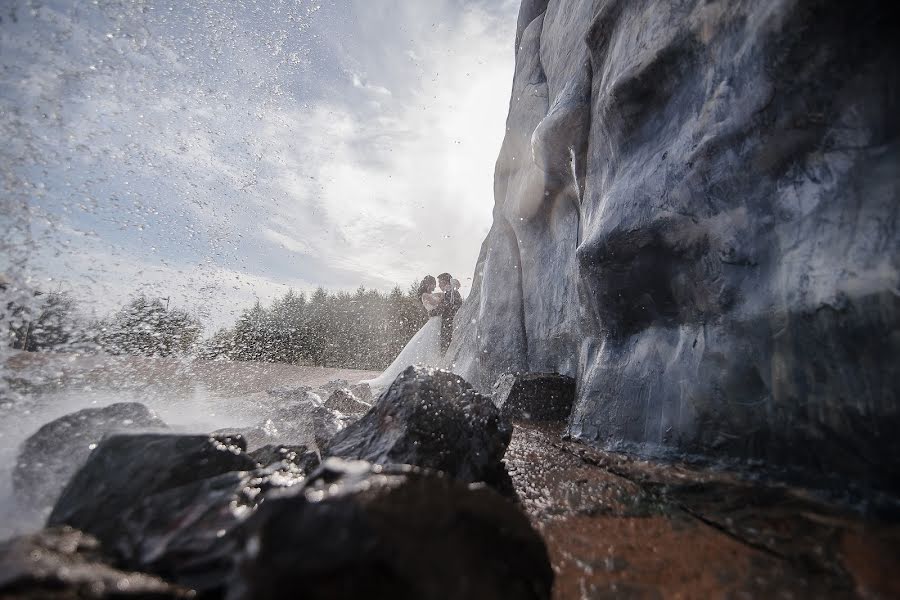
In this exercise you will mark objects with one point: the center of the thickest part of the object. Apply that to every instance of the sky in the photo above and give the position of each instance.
(218, 153)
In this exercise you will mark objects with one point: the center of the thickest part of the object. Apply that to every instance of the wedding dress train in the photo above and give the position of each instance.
(423, 349)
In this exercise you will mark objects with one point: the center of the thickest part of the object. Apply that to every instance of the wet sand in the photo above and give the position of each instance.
(617, 527)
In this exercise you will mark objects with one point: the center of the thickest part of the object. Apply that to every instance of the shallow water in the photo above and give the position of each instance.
(190, 396)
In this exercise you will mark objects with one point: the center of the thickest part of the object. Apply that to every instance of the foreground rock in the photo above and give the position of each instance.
(345, 401)
(537, 397)
(173, 505)
(51, 455)
(127, 468)
(190, 534)
(716, 261)
(362, 392)
(358, 531)
(300, 457)
(432, 419)
(66, 564)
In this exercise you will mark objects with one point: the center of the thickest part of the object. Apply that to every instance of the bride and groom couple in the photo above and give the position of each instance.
(428, 346)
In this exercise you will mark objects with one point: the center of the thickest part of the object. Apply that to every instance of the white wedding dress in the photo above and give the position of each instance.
(423, 349)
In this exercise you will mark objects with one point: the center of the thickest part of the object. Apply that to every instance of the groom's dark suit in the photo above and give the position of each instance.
(447, 309)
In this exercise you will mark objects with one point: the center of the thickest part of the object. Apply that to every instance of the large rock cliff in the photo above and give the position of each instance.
(696, 215)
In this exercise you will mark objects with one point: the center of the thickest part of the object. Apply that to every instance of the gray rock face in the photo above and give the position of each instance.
(432, 419)
(696, 216)
(127, 468)
(51, 455)
(357, 531)
(535, 397)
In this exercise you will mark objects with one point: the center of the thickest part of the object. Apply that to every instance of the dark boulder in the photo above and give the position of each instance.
(432, 419)
(126, 468)
(190, 534)
(300, 457)
(51, 455)
(535, 396)
(354, 530)
(254, 436)
(345, 401)
(66, 564)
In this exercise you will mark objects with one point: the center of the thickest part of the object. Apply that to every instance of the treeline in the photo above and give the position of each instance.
(365, 330)
(362, 330)
(39, 321)
(50, 322)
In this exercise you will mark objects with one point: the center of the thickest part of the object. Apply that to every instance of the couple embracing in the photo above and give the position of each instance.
(428, 346)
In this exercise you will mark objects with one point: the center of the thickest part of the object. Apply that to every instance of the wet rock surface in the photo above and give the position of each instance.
(355, 530)
(617, 526)
(612, 525)
(306, 422)
(714, 261)
(362, 392)
(178, 512)
(124, 469)
(431, 419)
(296, 416)
(255, 437)
(345, 401)
(191, 534)
(301, 457)
(538, 397)
(50, 456)
(66, 564)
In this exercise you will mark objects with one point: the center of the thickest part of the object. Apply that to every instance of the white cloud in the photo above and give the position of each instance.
(287, 242)
(377, 89)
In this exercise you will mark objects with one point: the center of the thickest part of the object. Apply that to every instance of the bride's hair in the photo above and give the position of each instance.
(428, 282)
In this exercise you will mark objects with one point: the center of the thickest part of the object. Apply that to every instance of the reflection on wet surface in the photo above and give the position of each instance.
(623, 528)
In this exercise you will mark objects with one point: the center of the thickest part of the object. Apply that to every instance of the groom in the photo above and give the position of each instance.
(447, 309)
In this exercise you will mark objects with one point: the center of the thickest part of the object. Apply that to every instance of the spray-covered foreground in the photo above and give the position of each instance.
(464, 505)
(44, 396)
(208, 517)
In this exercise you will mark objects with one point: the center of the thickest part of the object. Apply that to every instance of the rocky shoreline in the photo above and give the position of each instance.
(408, 501)
(436, 491)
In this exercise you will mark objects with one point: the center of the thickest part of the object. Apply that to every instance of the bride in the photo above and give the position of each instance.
(425, 347)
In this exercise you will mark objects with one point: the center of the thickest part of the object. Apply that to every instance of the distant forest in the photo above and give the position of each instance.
(361, 330)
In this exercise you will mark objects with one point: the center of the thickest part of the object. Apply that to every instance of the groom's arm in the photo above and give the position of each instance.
(457, 300)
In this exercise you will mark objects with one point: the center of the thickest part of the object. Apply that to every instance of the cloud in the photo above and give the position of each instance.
(377, 89)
